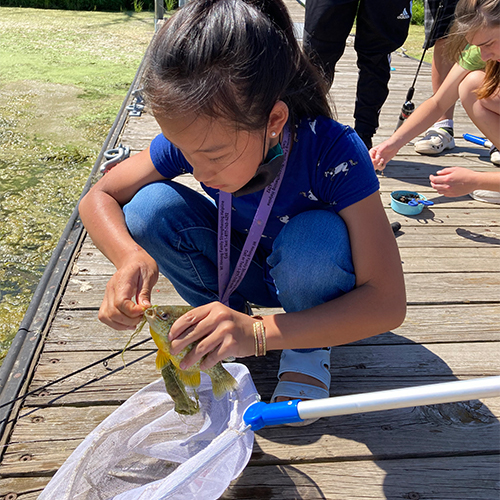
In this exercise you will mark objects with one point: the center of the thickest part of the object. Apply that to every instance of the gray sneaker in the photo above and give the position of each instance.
(495, 156)
(486, 196)
(435, 141)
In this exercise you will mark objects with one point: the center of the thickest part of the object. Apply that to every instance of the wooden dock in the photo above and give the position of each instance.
(451, 260)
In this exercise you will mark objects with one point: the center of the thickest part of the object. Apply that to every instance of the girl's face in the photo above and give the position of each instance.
(222, 157)
(488, 40)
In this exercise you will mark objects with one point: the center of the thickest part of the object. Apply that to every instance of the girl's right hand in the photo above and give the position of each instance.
(382, 154)
(134, 279)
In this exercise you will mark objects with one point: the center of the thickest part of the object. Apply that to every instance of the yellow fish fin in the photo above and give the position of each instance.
(222, 380)
(190, 378)
(162, 359)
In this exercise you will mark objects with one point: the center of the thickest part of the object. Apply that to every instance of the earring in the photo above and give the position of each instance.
(273, 134)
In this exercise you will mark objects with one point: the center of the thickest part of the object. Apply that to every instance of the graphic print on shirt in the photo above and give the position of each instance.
(343, 167)
(313, 126)
(309, 195)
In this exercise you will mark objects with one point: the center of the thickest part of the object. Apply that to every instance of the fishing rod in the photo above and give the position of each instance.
(408, 107)
(80, 370)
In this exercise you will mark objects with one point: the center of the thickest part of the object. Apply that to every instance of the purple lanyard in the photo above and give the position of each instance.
(226, 286)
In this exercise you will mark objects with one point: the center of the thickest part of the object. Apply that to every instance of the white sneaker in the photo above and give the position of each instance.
(495, 156)
(435, 141)
(486, 196)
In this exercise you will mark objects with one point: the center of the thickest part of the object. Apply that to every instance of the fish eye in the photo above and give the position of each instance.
(164, 316)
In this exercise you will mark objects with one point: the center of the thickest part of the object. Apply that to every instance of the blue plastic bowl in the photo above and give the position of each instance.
(404, 208)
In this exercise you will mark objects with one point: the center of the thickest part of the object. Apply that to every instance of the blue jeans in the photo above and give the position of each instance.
(310, 262)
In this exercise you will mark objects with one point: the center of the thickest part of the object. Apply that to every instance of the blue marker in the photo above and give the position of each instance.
(478, 140)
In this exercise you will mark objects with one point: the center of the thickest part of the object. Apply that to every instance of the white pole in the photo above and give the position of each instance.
(447, 392)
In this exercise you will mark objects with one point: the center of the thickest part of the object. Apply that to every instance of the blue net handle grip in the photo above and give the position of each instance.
(261, 414)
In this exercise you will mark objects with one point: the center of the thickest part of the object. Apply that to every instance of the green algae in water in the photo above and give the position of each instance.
(40, 183)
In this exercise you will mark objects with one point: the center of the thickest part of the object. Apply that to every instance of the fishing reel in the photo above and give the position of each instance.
(406, 110)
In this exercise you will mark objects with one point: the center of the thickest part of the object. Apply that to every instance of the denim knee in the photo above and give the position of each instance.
(146, 208)
(311, 261)
(161, 209)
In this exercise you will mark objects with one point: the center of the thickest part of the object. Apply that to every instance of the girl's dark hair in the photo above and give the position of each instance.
(471, 16)
(232, 59)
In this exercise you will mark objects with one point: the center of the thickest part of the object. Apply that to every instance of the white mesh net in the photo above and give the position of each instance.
(145, 450)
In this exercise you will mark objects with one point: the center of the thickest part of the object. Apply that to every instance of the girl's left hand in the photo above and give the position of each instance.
(221, 332)
(454, 181)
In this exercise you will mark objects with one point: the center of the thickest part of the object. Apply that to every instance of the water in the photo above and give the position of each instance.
(43, 167)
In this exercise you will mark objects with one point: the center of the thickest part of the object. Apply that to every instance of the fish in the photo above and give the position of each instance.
(160, 320)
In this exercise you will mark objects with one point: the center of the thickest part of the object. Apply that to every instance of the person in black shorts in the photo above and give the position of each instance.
(381, 28)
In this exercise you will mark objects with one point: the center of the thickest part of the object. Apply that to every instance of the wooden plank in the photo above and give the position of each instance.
(437, 430)
(426, 259)
(91, 261)
(451, 478)
(22, 488)
(86, 292)
(455, 218)
(442, 478)
(140, 132)
(81, 330)
(354, 368)
(444, 237)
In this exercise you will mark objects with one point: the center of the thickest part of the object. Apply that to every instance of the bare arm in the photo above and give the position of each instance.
(459, 181)
(421, 119)
(102, 215)
(377, 303)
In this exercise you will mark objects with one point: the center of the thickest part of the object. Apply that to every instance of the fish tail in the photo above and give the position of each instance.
(222, 380)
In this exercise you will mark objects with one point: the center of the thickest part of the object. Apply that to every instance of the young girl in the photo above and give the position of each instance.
(475, 78)
(241, 109)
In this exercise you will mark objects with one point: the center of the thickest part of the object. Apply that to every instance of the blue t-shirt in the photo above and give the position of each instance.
(329, 168)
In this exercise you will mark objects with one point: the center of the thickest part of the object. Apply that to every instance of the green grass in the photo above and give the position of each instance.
(98, 52)
(414, 44)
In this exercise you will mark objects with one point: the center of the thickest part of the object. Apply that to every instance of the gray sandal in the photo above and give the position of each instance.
(316, 364)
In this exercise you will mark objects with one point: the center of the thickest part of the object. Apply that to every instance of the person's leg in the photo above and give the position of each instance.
(178, 228)
(311, 264)
(485, 113)
(439, 137)
(326, 30)
(381, 28)
(441, 65)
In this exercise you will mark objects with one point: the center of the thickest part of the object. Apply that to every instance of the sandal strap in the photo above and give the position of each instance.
(296, 390)
(315, 363)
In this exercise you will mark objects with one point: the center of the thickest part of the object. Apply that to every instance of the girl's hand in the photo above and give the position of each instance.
(382, 154)
(221, 331)
(135, 279)
(454, 181)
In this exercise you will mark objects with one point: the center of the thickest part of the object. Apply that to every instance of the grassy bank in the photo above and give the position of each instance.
(63, 77)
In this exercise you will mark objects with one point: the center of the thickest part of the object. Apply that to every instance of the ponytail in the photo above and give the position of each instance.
(232, 59)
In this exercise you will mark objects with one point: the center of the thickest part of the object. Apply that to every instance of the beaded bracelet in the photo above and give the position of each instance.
(259, 334)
